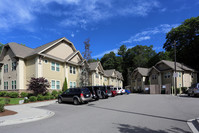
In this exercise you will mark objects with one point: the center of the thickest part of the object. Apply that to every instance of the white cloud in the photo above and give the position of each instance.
(146, 35)
(72, 35)
(78, 13)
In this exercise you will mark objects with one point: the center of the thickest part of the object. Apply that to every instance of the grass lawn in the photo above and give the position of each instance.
(12, 100)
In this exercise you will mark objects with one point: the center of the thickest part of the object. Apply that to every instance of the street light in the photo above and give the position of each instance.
(175, 75)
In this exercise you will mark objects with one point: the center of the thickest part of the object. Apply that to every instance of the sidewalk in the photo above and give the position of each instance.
(26, 113)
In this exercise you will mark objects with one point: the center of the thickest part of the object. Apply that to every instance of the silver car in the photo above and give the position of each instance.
(193, 90)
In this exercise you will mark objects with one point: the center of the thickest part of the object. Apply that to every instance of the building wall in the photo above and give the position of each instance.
(167, 80)
(154, 81)
(73, 77)
(53, 75)
(61, 50)
(10, 75)
(30, 69)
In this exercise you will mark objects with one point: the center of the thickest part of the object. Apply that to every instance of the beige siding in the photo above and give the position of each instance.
(10, 75)
(53, 75)
(61, 50)
(76, 59)
(73, 77)
(30, 69)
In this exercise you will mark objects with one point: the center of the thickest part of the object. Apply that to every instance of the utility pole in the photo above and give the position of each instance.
(175, 68)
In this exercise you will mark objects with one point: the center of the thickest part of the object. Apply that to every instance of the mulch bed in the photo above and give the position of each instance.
(7, 112)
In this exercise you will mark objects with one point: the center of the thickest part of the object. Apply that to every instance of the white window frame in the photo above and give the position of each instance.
(14, 85)
(15, 67)
(52, 84)
(5, 70)
(74, 84)
(59, 84)
(71, 84)
(74, 70)
(57, 67)
(180, 74)
(71, 70)
(4, 85)
(52, 66)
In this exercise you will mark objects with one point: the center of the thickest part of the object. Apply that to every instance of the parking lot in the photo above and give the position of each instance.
(125, 114)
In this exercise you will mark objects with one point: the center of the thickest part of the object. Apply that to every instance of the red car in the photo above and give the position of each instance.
(114, 93)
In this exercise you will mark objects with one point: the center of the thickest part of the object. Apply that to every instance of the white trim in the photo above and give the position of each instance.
(4, 85)
(51, 84)
(59, 85)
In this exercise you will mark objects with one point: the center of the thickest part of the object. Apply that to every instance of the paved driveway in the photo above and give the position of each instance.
(126, 114)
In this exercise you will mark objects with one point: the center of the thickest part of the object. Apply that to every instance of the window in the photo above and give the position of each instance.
(14, 85)
(168, 75)
(191, 75)
(46, 61)
(14, 66)
(74, 70)
(100, 77)
(97, 75)
(180, 74)
(74, 84)
(57, 67)
(5, 85)
(53, 66)
(6, 68)
(180, 85)
(57, 84)
(71, 84)
(105, 79)
(52, 84)
(71, 69)
(154, 76)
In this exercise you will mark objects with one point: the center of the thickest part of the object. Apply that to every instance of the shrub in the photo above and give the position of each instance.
(24, 94)
(178, 90)
(33, 99)
(60, 92)
(47, 94)
(2, 93)
(6, 94)
(46, 97)
(65, 86)
(30, 94)
(26, 100)
(52, 97)
(54, 92)
(38, 85)
(13, 94)
(2, 107)
(184, 90)
(7, 100)
(40, 98)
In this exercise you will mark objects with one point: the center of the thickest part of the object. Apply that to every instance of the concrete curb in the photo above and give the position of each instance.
(194, 125)
(26, 113)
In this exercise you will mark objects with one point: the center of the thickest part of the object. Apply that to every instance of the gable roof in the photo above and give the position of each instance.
(19, 50)
(179, 66)
(142, 71)
(119, 75)
(93, 66)
(109, 72)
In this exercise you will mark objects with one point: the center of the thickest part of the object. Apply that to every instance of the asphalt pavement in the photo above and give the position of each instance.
(121, 114)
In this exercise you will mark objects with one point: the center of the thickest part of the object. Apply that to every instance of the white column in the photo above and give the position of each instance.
(38, 67)
(2, 81)
(20, 74)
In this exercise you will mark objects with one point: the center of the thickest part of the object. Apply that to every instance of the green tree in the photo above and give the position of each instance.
(108, 61)
(65, 86)
(1, 46)
(186, 37)
(158, 57)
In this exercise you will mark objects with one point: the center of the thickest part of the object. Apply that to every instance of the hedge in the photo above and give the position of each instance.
(33, 99)
(24, 94)
(2, 107)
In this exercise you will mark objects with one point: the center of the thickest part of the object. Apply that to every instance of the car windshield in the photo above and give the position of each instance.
(119, 88)
(85, 90)
(115, 88)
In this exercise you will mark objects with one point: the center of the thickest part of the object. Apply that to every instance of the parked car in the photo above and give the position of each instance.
(122, 91)
(109, 90)
(75, 95)
(193, 90)
(93, 93)
(127, 91)
(101, 92)
(118, 90)
(114, 93)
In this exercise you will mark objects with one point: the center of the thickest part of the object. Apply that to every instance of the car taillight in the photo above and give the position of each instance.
(106, 91)
(81, 95)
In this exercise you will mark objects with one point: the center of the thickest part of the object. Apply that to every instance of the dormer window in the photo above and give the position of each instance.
(6, 68)
(14, 66)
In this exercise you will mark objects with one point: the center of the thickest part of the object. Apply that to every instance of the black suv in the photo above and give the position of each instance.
(75, 95)
(93, 92)
(101, 91)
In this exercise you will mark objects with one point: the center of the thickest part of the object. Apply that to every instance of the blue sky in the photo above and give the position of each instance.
(108, 23)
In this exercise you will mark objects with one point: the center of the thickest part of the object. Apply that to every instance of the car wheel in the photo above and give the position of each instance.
(59, 100)
(76, 101)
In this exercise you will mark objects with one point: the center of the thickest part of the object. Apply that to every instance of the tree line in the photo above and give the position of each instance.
(186, 37)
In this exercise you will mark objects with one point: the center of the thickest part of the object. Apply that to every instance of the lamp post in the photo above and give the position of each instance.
(175, 75)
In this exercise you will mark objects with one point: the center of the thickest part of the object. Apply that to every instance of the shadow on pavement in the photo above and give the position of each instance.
(125, 128)
(136, 113)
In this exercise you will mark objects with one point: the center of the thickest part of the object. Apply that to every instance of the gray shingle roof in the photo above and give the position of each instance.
(143, 71)
(20, 50)
(179, 66)
(109, 72)
(93, 65)
(119, 75)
